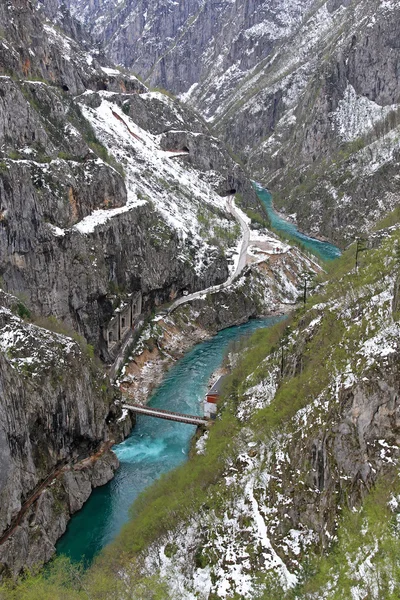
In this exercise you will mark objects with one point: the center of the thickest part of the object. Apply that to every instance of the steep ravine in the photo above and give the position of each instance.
(307, 93)
(107, 191)
(113, 194)
(65, 452)
(302, 461)
(154, 447)
(169, 361)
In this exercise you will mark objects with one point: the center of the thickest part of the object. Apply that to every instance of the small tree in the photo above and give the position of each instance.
(361, 246)
(308, 279)
(284, 347)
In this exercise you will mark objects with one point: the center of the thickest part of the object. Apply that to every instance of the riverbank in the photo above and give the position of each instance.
(166, 339)
(269, 286)
(317, 245)
(154, 372)
(154, 447)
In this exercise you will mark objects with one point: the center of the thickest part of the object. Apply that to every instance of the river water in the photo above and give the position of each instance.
(154, 447)
(157, 446)
(324, 250)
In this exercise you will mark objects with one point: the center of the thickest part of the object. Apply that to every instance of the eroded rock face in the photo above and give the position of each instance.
(57, 423)
(344, 460)
(178, 45)
(306, 93)
(32, 543)
(68, 276)
(93, 209)
(58, 169)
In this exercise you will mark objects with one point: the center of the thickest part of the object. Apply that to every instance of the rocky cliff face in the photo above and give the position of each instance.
(306, 92)
(269, 286)
(56, 426)
(106, 189)
(177, 46)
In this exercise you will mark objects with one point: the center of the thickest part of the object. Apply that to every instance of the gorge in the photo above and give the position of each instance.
(153, 447)
(156, 446)
(136, 247)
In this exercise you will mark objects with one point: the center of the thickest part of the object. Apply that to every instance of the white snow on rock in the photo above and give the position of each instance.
(386, 342)
(101, 216)
(30, 349)
(110, 71)
(356, 115)
(60, 39)
(154, 175)
(249, 517)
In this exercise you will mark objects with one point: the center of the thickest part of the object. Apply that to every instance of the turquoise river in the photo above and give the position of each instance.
(324, 250)
(156, 446)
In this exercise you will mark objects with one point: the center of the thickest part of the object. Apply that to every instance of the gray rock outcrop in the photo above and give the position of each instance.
(96, 207)
(306, 93)
(55, 173)
(57, 423)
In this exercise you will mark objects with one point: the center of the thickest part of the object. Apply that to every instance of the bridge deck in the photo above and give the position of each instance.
(160, 413)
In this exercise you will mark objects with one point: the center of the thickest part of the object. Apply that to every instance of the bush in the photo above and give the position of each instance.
(22, 311)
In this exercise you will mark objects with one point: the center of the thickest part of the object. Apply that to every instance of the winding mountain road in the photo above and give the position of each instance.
(245, 242)
(241, 263)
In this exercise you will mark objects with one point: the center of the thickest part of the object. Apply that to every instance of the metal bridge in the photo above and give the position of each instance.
(160, 413)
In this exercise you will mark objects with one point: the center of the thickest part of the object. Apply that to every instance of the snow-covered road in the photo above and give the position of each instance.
(245, 241)
(241, 262)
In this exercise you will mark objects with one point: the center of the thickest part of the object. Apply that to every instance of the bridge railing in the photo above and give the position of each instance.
(170, 415)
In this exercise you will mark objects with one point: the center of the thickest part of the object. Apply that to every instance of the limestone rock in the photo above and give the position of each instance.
(306, 93)
(54, 415)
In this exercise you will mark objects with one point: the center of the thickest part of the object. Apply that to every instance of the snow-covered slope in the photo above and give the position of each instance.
(175, 190)
(108, 189)
(295, 88)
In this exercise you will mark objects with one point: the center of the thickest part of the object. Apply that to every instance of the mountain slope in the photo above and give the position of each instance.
(96, 204)
(294, 490)
(303, 437)
(111, 196)
(306, 93)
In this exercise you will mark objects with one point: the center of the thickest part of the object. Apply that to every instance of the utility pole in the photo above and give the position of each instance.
(360, 247)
